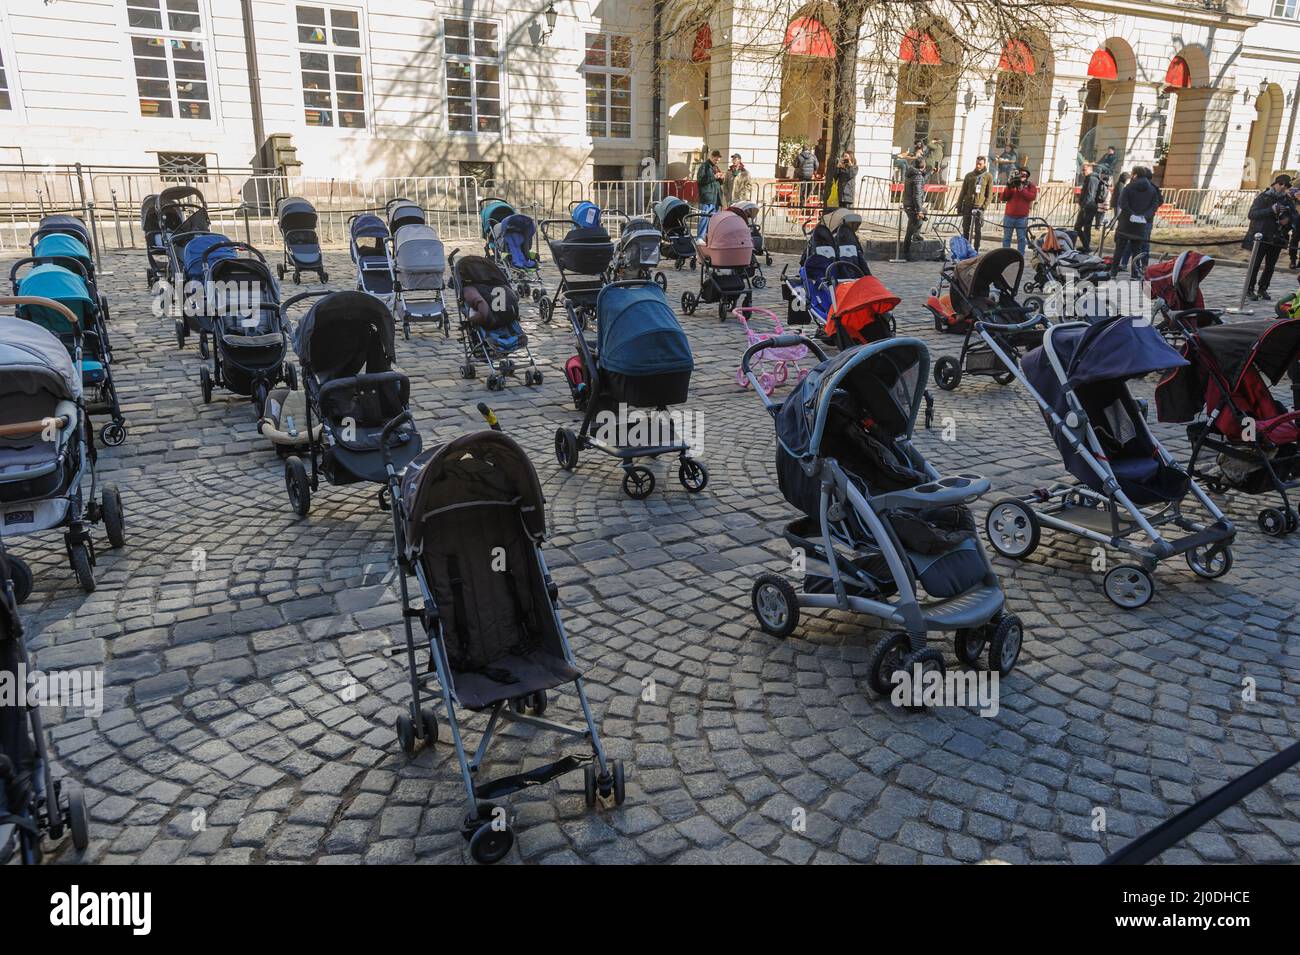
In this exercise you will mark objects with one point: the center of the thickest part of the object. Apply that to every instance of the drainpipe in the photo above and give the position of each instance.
(657, 95)
(254, 81)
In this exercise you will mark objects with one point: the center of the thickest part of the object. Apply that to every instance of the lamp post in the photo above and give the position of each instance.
(551, 16)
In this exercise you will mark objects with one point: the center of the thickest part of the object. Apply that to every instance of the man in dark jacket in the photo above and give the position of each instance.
(976, 189)
(1090, 198)
(914, 203)
(709, 180)
(805, 164)
(1271, 216)
(1137, 210)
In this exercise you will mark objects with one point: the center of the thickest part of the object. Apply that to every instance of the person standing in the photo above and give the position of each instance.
(805, 164)
(1271, 216)
(1007, 160)
(710, 187)
(935, 159)
(1105, 165)
(1019, 195)
(1137, 210)
(1293, 247)
(1090, 198)
(738, 182)
(973, 199)
(846, 177)
(914, 204)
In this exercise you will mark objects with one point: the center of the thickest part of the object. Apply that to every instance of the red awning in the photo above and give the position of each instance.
(1017, 58)
(1179, 74)
(703, 44)
(918, 47)
(1102, 65)
(805, 36)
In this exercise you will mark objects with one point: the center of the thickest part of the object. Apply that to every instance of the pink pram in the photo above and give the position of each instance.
(773, 365)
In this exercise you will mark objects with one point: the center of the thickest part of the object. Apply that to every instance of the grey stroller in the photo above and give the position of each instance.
(1126, 484)
(419, 277)
(469, 519)
(637, 254)
(879, 524)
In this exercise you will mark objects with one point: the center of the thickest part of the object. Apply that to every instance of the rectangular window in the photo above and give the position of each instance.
(330, 54)
(473, 59)
(5, 101)
(608, 72)
(1285, 8)
(171, 74)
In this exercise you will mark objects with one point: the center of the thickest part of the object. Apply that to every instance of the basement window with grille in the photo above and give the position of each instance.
(183, 167)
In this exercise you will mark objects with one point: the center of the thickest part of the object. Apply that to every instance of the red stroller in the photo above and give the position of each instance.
(1224, 393)
(1175, 286)
(863, 312)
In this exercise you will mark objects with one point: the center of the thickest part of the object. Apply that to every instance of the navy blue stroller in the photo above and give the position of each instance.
(642, 359)
(583, 257)
(368, 237)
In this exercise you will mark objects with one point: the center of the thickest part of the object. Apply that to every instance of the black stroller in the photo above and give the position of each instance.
(181, 213)
(983, 296)
(642, 359)
(637, 255)
(157, 262)
(33, 803)
(402, 212)
(297, 220)
(670, 215)
(583, 258)
(462, 512)
(490, 332)
(249, 344)
(345, 346)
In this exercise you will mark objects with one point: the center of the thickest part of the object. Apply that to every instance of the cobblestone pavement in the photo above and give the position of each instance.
(224, 684)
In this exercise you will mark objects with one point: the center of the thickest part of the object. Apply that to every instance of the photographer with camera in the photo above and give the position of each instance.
(1018, 195)
(914, 203)
(846, 176)
(1271, 216)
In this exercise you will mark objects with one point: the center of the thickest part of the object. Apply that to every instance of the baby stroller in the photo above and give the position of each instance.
(368, 246)
(774, 365)
(489, 322)
(67, 237)
(402, 212)
(637, 254)
(748, 210)
(249, 344)
(68, 287)
(727, 265)
(1224, 393)
(983, 296)
(45, 447)
(200, 253)
(345, 347)
(1175, 287)
(862, 313)
(419, 276)
(939, 304)
(181, 213)
(879, 523)
(514, 249)
(1056, 263)
(583, 258)
(642, 359)
(670, 217)
(157, 262)
(297, 220)
(830, 256)
(1126, 483)
(495, 640)
(33, 803)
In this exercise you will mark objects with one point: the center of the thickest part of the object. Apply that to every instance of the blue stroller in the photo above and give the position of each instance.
(368, 239)
(642, 359)
(671, 215)
(830, 256)
(489, 322)
(879, 523)
(197, 257)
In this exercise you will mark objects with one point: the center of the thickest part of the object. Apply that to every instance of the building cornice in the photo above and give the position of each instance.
(1185, 12)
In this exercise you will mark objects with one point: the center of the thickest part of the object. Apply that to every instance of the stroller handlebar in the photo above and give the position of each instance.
(286, 305)
(1038, 319)
(780, 341)
(941, 491)
(393, 425)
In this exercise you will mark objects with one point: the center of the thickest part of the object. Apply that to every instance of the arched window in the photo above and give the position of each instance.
(806, 36)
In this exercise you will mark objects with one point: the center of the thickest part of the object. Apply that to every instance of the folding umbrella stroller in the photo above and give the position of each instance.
(670, 214)
(1125, 484)
(297, 219)
(1175, 285)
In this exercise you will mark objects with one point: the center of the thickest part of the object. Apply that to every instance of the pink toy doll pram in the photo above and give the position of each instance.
(772, 365)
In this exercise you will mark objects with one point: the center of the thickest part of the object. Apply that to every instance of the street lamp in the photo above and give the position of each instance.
(1083, 96)
(989, 87)
(551, 16)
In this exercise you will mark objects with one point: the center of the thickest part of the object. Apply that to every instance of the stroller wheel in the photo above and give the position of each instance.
(21, 575)
(638, 482)
(1004, 644)
(114, 520)
(1128, 586)
(566, 448)
(296, 483)
(545, 310)
(181, 333)
(689, 303)
(969, 645)
(79, 557)
(928, 660)
(1272, 522)
(693, 475)
(430, 720)
(1211, 561)
(489, 844)
(406, 734)
(589, 785)
(947, 373)
(280, 271)
(775, 605)
(759, 282)
(205, 382)
(1012, 528)
(78, 820)
(533, 704)
(112, 434)
(885, 659)
(324, 278)
(662, 281)
(291, 375)
(204, 353)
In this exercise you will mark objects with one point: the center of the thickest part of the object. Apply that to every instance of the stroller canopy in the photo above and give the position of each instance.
(344, 334)
(1270, 346)
(517, 231)
(175, 195)
(861, 304)
(403, 212)
(57, 283)
(33, 360)
(479, 270)
(670, 212)
(1177, 282)
(638, 334)
(296, 215)
(196, 253)
(841, 217)
(585, 214)
(1115, 349)
(998, 268)
(368, 226)
(149, 220)
(638, 230)
(475, 467)
(492, 212)
(419, 256)
(61, 245)
(745, 208)
(64, 225)
(886, 378)
(821, 241)
(727, 242)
